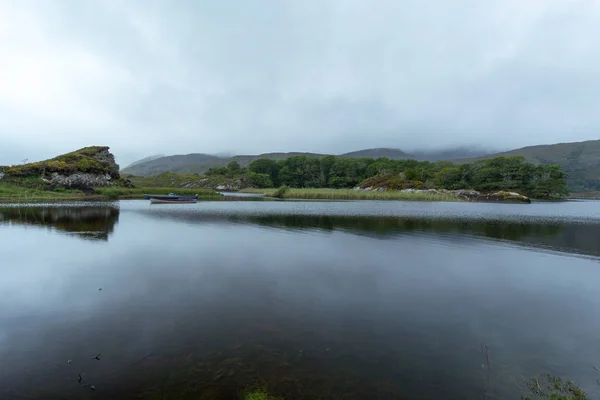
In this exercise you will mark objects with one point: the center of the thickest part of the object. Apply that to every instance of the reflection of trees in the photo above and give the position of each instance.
(95, 223)
(561, 236)
(556, 235)
(391, 226)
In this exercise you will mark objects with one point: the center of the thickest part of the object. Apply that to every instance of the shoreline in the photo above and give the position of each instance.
(26, 195)
(357, 195)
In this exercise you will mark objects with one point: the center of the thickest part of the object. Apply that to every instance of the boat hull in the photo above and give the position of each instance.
(170, 196)
(172, 201)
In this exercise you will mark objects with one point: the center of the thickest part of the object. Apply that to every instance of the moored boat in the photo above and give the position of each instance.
(154, 200)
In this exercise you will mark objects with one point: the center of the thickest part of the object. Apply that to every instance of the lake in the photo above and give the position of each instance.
(313, 300)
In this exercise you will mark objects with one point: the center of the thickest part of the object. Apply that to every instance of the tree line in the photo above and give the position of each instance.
(502, 173)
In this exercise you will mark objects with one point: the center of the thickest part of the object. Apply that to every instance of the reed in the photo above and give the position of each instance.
(351, 194)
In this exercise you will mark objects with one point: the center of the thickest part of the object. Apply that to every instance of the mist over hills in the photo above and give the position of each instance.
(580, 160)
(200, 163)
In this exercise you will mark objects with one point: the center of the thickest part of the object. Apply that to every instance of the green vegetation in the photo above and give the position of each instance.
(553, 388)
(382, 174)
(10, 192)
(137, 193)
(510, 174)
(260, 395)
(93, 160)
(350, 194)
(20, 190)
(580, 160)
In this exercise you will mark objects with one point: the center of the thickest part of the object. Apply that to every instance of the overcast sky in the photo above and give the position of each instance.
(183, 76)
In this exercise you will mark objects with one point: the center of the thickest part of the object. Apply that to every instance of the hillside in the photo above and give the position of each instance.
(145, 159)
(200, 163)
(450, 154)
(182, 164)
(580, 160)
(392, 154)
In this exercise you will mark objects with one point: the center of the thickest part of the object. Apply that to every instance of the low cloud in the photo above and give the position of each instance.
(327, 76)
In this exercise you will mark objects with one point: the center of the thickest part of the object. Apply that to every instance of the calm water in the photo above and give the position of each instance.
(314, 300)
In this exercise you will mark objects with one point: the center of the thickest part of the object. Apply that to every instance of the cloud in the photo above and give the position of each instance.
(329, 75)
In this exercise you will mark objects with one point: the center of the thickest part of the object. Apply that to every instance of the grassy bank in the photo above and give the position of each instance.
(138, 193)
(350, 194)
(10, 193)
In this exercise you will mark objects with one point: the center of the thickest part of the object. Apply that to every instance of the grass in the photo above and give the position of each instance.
(553, 388)
(260, 395)
(351, 194)
(190, 181)
(137, 193)
(12, 193)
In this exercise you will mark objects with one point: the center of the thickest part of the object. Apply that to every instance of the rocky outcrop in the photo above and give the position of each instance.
(81, 180)
(81, 169)
(504, 197)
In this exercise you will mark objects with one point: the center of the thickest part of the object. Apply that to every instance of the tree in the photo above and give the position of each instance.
(260, 180)
(234, 166)
(449, 178)
(549, 181)
(267, 167)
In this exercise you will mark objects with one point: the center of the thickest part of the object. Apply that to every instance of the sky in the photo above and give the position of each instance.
(329, 76)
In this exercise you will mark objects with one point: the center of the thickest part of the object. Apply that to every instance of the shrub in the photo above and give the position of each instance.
(280, 192)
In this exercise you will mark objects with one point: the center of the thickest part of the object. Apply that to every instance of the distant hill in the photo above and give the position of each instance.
(188, 163)
(392, 154)
(200, 163)
(581, 160)
(146, 159)
(449, 154)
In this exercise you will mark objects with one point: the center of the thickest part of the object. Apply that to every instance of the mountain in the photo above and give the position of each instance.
(146, 159)
(200, 163)
(449, 153)
(188, 163)
(580, 160)
(392, 154)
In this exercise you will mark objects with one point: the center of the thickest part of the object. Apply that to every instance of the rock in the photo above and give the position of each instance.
(81, 180)
(127, 183)
(504, 197)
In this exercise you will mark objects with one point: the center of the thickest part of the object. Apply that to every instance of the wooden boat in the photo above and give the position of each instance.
(172, 201)
(170, 196)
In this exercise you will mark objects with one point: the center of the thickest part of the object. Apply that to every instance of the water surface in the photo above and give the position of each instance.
(330, 300)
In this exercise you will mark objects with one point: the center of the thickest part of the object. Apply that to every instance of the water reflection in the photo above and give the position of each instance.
(559, 235)
(85, 222)
(202, 304)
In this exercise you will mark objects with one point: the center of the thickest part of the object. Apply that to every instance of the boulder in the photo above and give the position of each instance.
(504, 197)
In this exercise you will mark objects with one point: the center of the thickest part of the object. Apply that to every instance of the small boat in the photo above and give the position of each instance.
(154, 200)
(170, 196)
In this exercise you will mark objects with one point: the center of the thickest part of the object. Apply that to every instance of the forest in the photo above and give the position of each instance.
(503, 173)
